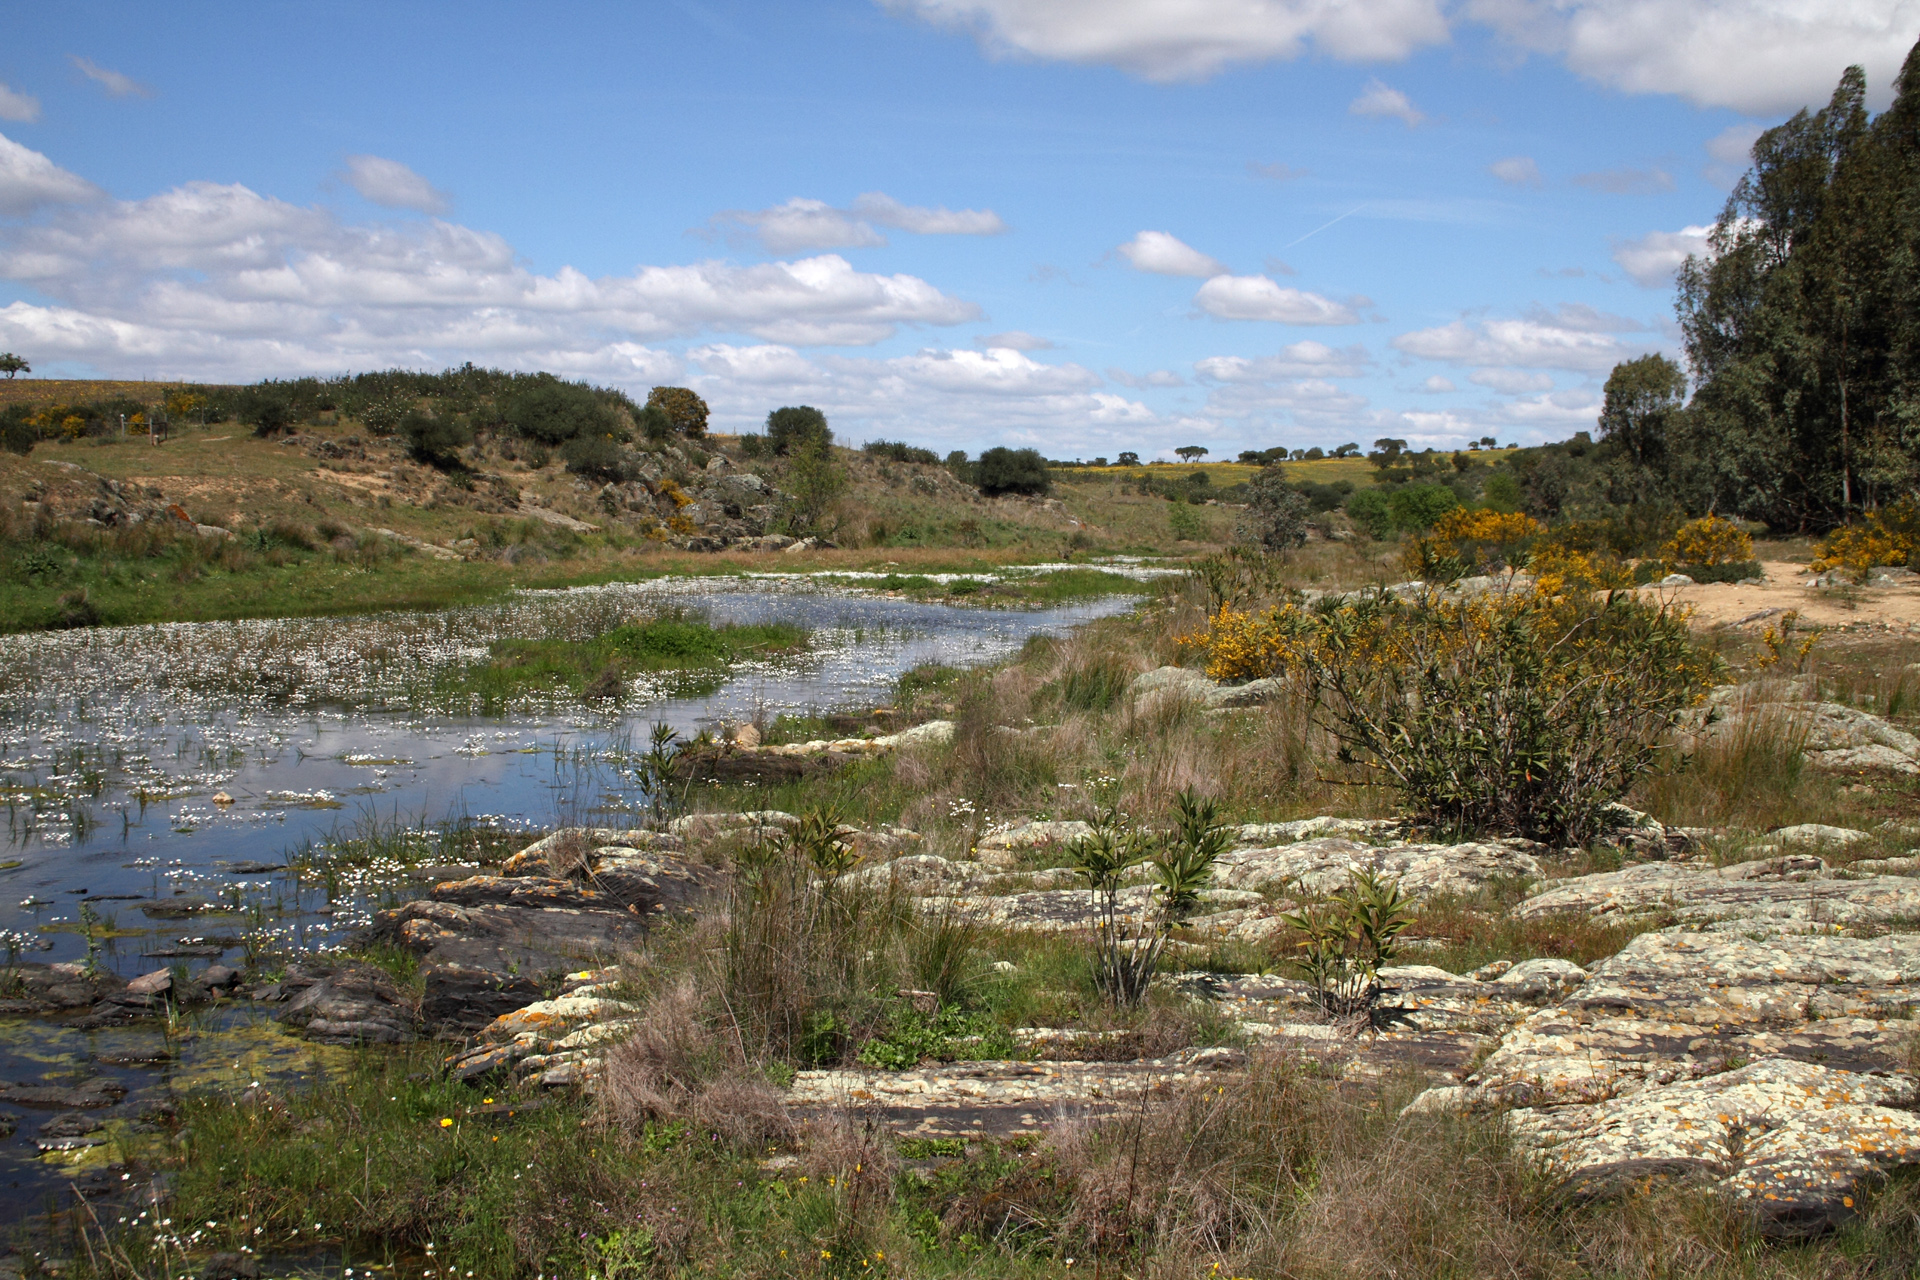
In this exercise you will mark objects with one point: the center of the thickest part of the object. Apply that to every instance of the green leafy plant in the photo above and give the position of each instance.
(1349, 938)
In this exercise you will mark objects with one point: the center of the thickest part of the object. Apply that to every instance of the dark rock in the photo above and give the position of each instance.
(244, 868)
(355, 1003)
(230, 1266)
(508, 939)
(760, 767)
(87, 1095)
(461, 998)
(517, 891)
(175, 909)
(70, 1124)
(220, 977)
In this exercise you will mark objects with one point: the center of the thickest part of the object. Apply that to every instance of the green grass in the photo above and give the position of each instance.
(601, 667)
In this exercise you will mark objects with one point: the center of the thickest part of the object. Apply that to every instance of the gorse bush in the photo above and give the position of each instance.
(1889, 536)
(1523, 712)
(1468, 542)
(1707, 541)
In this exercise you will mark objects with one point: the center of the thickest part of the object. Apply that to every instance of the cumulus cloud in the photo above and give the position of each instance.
(1512, 382)
(1297, 360)
(1626, 182)
(1162, 254)
(1531, 343)
(15, 105)
(1193, 40)
(1519, 171)
(119, 86)
(1438, 383)
(28, 180)
(801, 225)
(392, 185)
(1756, 56)
(1651, 259)
(1730, 152)
(921, 220)
(1380, 101)
(1259, 298)
(1156, 378)
(1014, 340)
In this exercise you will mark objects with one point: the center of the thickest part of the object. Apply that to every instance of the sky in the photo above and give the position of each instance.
(1085, 226)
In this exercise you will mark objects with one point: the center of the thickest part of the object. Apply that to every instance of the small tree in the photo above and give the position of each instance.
(1189, 452)
(684, 408)
(815, 483)
(795, 428)
(1128, 459)
(1348, 450)
(1276, 516)
(435, 439)
(11, 364)
(266, 410)
(1002, 470)
(553, 412)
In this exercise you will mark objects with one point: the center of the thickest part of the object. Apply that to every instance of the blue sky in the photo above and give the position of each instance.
(1084, 225)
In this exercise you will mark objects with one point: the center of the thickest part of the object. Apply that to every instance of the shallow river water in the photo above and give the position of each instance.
(114, 741)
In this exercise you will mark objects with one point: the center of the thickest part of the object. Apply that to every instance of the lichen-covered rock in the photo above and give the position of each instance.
(1326, 865)
(1796, 888)
(1792, 1140)
(921, 874)
(1033, 835)
(1265, 835)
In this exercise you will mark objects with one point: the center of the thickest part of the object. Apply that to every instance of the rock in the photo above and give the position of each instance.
(1326, 865)
(463, 998)
(1792, 1141)
(1676, 580)
(547, 1017)
(719, 464)
(1816, 835)
(1540, 979)
(70, 1124)
(352, 1004)
(1253, 693)
(230, 1266)
(1268, 834)
(508, 939)
(1034, 835)
(805, 544)
(1796, 887)
(175, 908)
(696, 828)
(1179, 682)
(88, 1095)
(1834, 736)
(219, 977)
(157, 983)
(921, 874)
(746, 737)
(1885, 866)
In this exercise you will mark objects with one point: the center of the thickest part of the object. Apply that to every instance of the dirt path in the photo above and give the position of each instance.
(1895, 606)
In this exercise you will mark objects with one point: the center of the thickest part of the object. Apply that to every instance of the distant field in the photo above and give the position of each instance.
(1221, 474)
(76, 390)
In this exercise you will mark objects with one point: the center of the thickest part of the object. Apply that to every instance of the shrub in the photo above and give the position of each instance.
(434, 439)
(1707, 541)
(1276, 515)
(685, 411)
(1368, 510)
(798, 429)
(1524, 712)
(1890, 536)
(1464, 542)
(1414, 508)
(1002, 470)
(598, 458)
(553, 412)
(1349, 938)
(900, 451)
(17, 432)
(1185, 523)
(266, 409)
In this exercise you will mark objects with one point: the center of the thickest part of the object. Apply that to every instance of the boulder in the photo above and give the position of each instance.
(352, 1004)
(1422, 870)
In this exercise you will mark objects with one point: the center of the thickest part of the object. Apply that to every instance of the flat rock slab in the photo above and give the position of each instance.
(1792, 888)
(351, 1004)
(979, 1099)
(1792, 1140)
(1325, 865)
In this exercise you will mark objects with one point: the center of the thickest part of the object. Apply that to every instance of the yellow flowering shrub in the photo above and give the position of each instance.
(1889, 536)
(1523, 712)
(1464, 541)
(1709, 540)
(1558, 569)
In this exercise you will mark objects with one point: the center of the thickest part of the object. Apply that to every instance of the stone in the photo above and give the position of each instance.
(464, 998)
(219, 977)
(1792, 1141)
(1266, 835)
(921, 874)
(1676, 580)
(1034, 835)
(746, 737)
(1180, 682)
(230, 1266)
(550, 1016)
(1326, 865)
(1793, 888)
(1254, 693)
(1816, 835)
(352, 1004)
(157, 983)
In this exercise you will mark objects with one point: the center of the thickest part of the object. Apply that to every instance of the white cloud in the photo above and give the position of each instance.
(1520, 171)
(1190, 40)
(1556, 413)
(1756, 56)
(1438, 384)
(1156, 378)
(1730, 152)
(29, 180)
(1652, 259)
(801, 225)
(1258, 298)
(113, 82)
(1162, 254)
(1626, 182)
(392, 185)
(1512, 382)
(877, 206)
(1526, 344)
(1383, 102)
(1296, 360)
(1014, 340)
(18, 106)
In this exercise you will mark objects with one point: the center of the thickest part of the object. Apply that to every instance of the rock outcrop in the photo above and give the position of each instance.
(1791, 887)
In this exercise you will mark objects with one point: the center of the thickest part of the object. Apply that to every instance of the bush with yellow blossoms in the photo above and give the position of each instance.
(1889, 536)
(1464, 542)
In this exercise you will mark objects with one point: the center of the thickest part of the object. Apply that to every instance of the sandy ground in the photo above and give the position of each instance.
(1891, 607)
